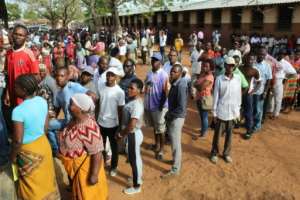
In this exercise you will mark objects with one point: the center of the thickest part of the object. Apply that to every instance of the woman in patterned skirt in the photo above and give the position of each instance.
(81, 146)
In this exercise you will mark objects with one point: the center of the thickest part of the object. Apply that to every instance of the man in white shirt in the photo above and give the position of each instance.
(100, 72)
(286, 69)
(115, 62)
(162, 43)
(200, 36)
(111, 102)
(226, 109)
(173, 59)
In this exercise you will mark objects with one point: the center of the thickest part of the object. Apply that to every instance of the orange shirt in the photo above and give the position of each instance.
(206, 91)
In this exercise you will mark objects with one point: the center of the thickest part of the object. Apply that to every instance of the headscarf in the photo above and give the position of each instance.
(84, 102)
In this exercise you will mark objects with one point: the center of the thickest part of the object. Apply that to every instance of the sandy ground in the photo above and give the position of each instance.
(267, 167)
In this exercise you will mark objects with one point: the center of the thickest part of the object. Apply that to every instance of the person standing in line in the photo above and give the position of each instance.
(31, 151)
(86, 79)
(178, 43)
(100, 72)
(286, 70)
(200, 36)
(19, 60)
(111, 102)
(260, 95)
(155, 101)
(62, 101)
(162, 43)
(252, 75)
(173, 59)
(177, 101)
(131, 128)
(204, 84)
(144, 48)
(129, 69)
(80, 147)
(226, 109)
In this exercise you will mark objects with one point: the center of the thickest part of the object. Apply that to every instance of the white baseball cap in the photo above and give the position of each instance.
(230, 61)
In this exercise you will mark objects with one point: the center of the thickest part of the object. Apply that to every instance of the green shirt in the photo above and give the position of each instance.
(244, 81)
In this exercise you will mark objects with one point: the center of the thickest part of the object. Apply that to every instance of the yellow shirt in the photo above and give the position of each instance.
(178, 44)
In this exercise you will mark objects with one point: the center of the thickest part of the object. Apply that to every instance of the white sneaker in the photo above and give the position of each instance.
(228, 159)
(132, 190)
(113, 172)
(214, 159)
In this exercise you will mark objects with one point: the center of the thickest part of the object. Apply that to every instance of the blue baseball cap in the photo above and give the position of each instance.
(156, 56)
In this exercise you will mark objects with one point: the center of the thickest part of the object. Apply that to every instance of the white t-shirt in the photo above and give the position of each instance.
(123, 50)
(162, 40)
(109, 100)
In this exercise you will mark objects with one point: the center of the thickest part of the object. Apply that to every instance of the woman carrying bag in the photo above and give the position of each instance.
(204, 85)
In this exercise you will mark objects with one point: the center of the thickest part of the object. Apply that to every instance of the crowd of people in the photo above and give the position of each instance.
(76, 96)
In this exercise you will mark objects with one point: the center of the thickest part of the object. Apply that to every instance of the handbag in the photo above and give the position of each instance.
(207, 102)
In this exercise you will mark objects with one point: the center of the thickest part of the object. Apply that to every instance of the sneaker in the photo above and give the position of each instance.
(113, 172)
(228, 159)
(247, 136)
(132, 190)
(159, 155)
(169, 174)
(214, 159)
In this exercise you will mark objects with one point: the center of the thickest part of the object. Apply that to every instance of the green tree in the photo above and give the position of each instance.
(99, 8)
(30, 14)
(14, 11)
(3, 13)
(55, 10)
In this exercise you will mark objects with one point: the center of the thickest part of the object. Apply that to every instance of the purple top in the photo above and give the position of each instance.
(92, 60)
(154, 94)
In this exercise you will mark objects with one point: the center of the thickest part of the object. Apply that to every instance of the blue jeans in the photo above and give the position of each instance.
(248, 111)
(4, 145)
(204, 118)
(258, 108)
(54, 126)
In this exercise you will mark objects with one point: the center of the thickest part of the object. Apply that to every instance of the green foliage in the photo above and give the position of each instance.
(14, 11)
(30, 14)
(55, 10)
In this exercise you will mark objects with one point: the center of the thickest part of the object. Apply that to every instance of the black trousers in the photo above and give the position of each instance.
(132, 158)
(110, 133)
(219, 129)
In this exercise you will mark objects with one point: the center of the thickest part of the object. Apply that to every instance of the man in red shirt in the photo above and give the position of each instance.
(70, 50)
(19, 60)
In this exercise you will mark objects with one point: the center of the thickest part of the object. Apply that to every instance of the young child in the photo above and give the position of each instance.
(131, 128)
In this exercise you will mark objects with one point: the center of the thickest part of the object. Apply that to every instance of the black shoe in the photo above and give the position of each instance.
(247, 136)
(159, 156)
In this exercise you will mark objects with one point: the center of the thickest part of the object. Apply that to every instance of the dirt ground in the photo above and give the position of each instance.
(267, 167)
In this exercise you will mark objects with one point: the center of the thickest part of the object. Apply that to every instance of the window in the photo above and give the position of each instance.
(132, 20)
(126, 21)
(216, 18)
(139, 22)
(186, 18)
(154, 19)
(121, 21)
(200, 18)
(164, 19)
(175, 18)
(146, 22)
(257, 18)
(236, 17)
(285, 14)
